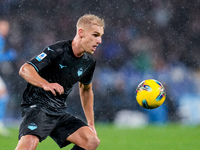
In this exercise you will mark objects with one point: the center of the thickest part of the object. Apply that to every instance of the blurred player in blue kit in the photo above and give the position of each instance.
(3, 103)
(51, 76)
(6, 54)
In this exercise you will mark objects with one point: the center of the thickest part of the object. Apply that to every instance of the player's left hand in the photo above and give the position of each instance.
(93, 129)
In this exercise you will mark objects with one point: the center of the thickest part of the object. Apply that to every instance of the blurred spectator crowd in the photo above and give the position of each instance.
(143, 39)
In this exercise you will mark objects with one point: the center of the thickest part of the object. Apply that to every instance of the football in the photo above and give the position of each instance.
(150, 94)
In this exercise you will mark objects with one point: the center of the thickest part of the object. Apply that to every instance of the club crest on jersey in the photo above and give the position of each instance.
(80, 71)
(41, 56)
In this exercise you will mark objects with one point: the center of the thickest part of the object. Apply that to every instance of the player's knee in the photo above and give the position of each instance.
(93, 142)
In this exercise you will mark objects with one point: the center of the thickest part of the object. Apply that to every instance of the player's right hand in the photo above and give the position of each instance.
(54, 87)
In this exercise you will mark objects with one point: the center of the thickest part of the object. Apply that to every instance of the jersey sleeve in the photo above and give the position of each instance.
(87, 79)
(46, 57)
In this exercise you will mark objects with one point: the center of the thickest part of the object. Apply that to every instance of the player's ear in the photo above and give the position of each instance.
(81, 33)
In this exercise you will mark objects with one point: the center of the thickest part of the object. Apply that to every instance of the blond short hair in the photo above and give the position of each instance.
(90, 19)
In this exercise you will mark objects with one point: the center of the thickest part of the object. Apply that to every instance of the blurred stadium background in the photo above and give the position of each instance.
(156, 39)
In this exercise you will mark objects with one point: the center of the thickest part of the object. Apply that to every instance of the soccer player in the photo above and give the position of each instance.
(6, 55)
(51, 76)
(3, 103)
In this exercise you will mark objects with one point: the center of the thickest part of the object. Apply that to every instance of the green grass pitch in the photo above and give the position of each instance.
(168, 137)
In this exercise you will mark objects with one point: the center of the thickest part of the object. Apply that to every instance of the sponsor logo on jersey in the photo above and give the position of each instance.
(80, 71)
(41, 56)
(32, 126)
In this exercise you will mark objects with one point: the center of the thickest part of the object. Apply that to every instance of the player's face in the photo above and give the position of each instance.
(92, 38)
(4, 28)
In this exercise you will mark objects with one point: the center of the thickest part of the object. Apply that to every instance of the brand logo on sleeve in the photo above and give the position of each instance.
(49, 49)
(41, 56)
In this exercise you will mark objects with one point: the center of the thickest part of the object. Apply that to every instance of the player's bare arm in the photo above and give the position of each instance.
(87, 101)
(29, 73)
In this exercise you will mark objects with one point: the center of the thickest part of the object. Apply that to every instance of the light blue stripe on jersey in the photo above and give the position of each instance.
(33, 66)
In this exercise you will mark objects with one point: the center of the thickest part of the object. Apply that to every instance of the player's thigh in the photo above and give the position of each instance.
(82, 136)
(27, 142)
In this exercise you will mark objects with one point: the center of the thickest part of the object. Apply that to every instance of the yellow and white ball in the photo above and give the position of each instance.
(150, 94)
